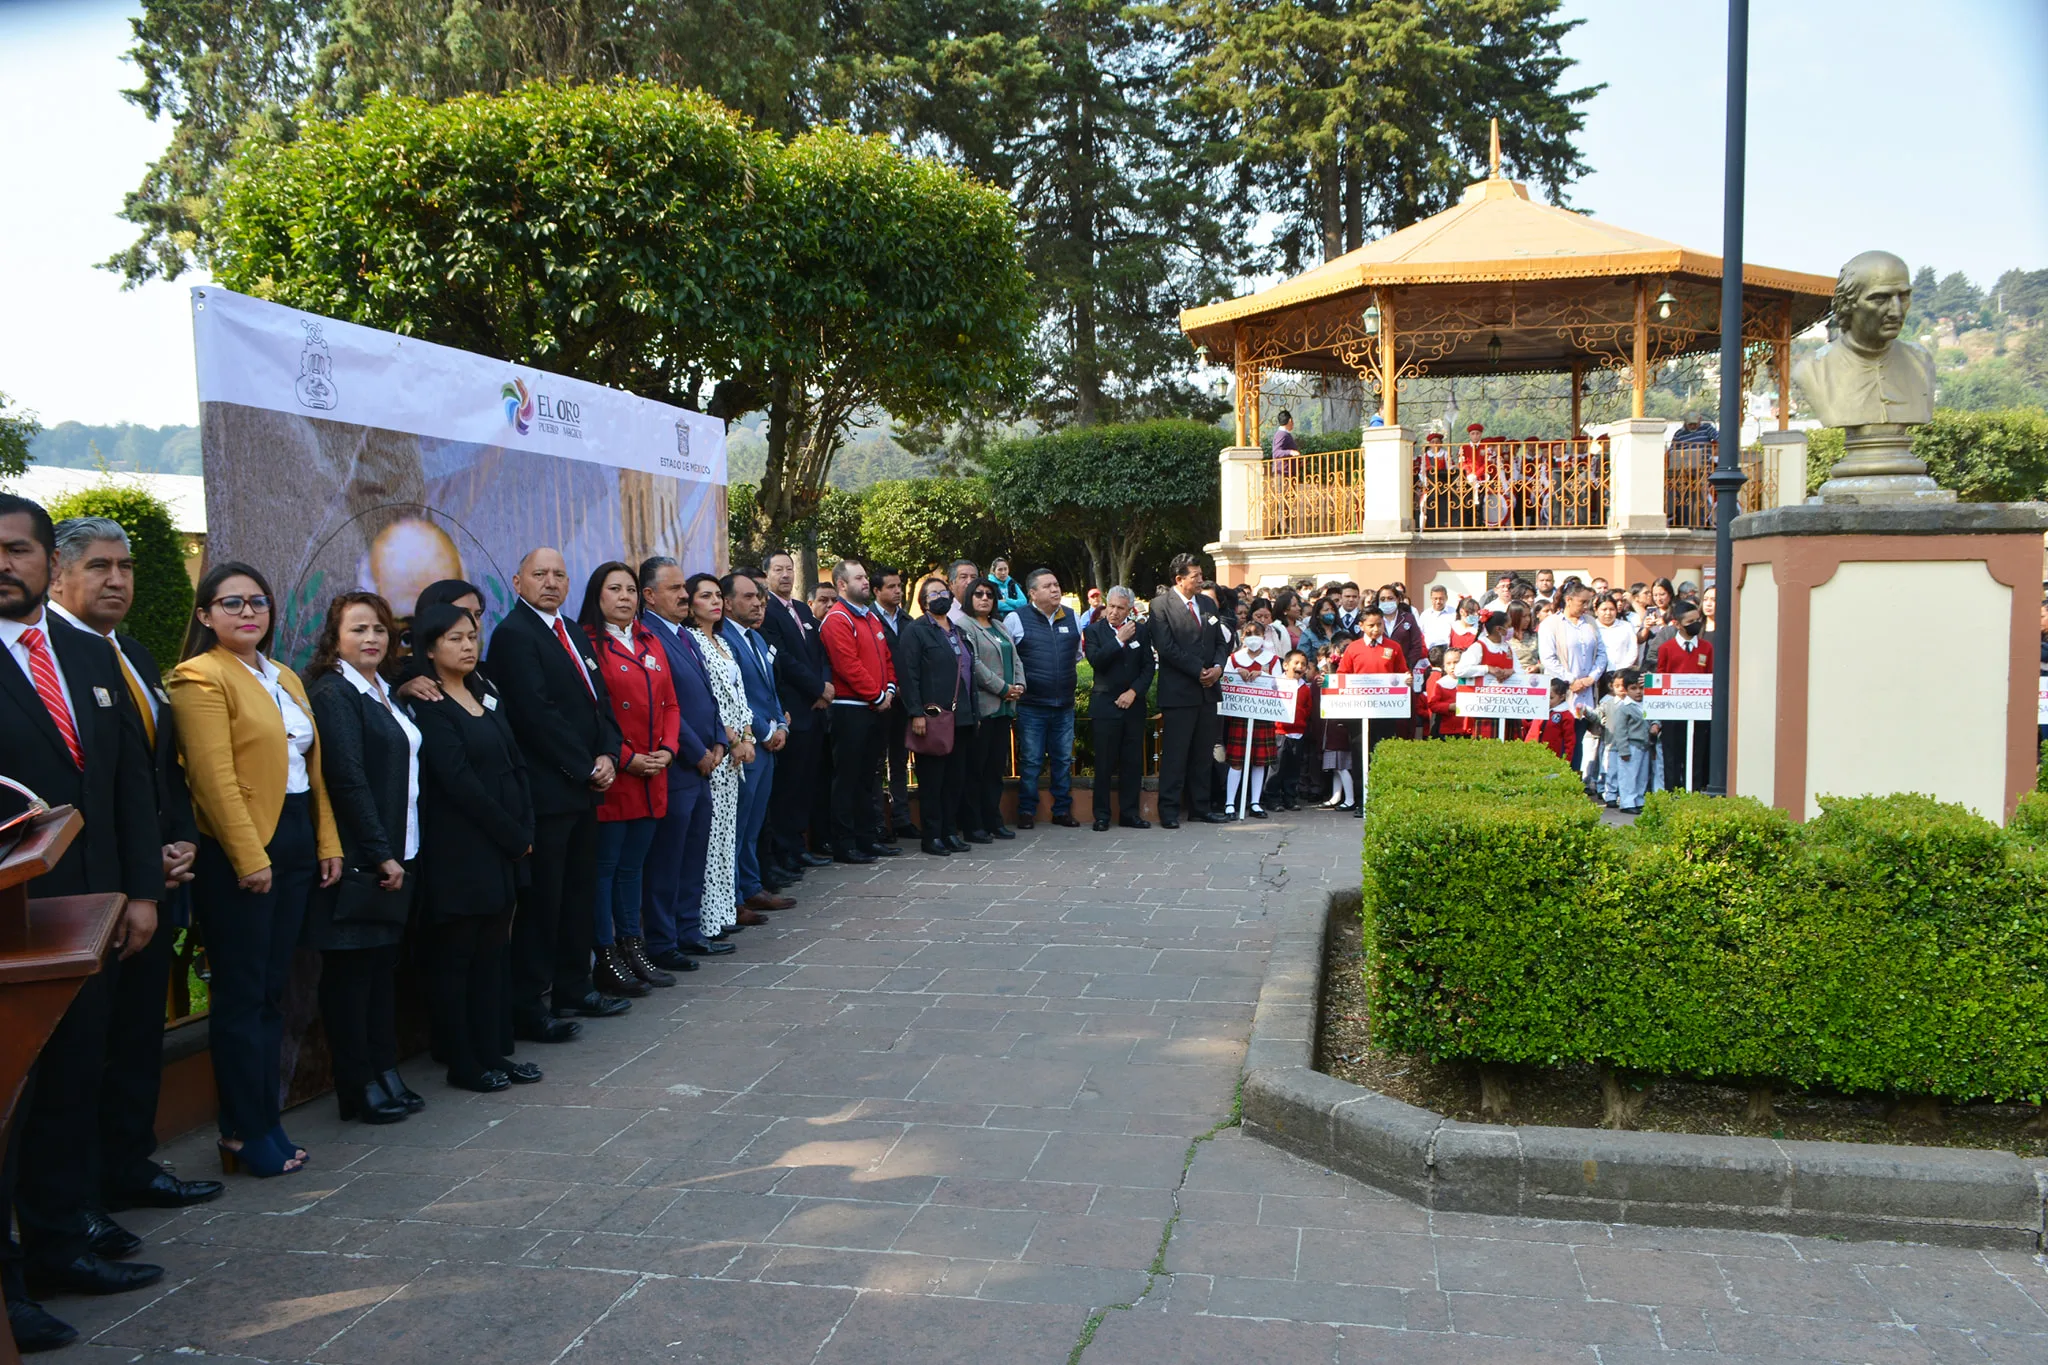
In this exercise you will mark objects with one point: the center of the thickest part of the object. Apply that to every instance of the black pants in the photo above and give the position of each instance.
(896, 762)
(819, 820)
(988, 763)
(942, 782)
(858, 735)
(54, 1176)
(1187, 759)
(554, 929)
(467, 993)
(1289, 778)
(789, 800)
(1673, 740)
(249, 941)
(1119, 754)
(135, 1060)
(358, 1004)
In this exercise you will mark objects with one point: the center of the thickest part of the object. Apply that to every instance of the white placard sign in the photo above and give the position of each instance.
(1678, 696)
(2043, 717)
(1268, 701)
(1366, 696)
(1521, 697)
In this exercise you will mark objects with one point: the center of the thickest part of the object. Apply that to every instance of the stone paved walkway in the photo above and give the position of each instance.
(973, 1110)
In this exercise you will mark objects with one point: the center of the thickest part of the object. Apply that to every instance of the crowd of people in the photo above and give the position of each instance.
(568, 809)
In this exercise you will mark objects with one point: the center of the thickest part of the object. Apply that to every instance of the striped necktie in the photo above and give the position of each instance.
(43, 670)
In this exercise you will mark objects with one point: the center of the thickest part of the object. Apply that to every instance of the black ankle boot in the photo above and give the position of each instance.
(395, 1086)
(370, 1103)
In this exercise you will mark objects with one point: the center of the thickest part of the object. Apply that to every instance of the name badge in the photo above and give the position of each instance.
(1063, 630)
(490, 702)
(99, 694)
(590, 663)
(163, 696)
(652, 666)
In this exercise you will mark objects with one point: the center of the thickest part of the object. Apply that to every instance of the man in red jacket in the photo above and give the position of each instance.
(863, 690)
(1687, 651)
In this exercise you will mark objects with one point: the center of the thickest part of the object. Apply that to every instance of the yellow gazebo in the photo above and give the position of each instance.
(1496, 284)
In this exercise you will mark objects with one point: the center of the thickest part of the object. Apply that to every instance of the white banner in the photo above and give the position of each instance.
(263, 355)
(1269, 701)
(1678, 696)
(1520, 697)
(1366, 696)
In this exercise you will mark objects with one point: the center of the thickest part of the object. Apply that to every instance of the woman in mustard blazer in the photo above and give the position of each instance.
(252, 760)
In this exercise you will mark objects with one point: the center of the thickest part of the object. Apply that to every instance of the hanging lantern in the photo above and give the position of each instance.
(1493, 350)
(1371, 320)
(1202, 354)
(1664, 302)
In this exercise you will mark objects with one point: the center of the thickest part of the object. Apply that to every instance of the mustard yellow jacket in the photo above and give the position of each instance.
(232, 743)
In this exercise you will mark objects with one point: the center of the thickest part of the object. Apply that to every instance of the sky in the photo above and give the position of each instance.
(1942, 162)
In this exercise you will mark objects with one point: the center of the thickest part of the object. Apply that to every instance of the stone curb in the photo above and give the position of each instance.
(1952, 1196)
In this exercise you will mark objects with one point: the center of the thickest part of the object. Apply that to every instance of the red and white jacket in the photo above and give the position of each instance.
(857, 650)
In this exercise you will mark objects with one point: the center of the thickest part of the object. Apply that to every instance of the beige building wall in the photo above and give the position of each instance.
(1876, 724)
(1754, 756)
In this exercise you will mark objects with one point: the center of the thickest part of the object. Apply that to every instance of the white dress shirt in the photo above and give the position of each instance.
(10, 633)
(1436, 625)
(375, 688)
(298, 727)
(142, 687)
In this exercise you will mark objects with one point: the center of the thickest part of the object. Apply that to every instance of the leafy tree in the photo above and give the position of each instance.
(1354, 115)
(2022, 293)
(1111, 487)
(18, 430)
(917, 523)
(1921, 315)
(1957, 299)
(163, 590)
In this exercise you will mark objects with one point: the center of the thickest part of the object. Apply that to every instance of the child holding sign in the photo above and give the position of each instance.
(1253, 661)
(1291, 735)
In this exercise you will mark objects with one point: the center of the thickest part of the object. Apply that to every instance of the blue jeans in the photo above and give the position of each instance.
(757, 782)
(1045, 732)
(621, 853)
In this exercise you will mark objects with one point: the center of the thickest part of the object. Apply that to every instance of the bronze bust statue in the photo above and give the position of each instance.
(1867, 375)
(1874, 386)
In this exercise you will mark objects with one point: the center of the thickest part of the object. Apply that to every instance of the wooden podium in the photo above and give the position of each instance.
(47, 949)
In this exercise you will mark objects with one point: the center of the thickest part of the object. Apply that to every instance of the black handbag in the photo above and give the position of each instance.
(359, 899)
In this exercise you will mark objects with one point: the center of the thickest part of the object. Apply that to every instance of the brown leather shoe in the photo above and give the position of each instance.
(748, 916)
(612, 976)
(634, 951)
(763, 900)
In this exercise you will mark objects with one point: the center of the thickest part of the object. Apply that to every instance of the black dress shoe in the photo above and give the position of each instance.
(106, 1238)
(707, 949)
(545, 1030)
(593, 1006)
(92, 1274)
(858, 859)
(1133, 822)
(395, 1086)
(483, 1082)
(1216, 817)
(1003, 832)
(35, 1329)
(958, 844)
(1026, 822)
(812, 860)
(165, 1191)
(1066, 822)
(1101, 825)
(519, 1073)
(936, 849)
(883, 850)
(975, 836)
(675, 960)
(1165, 823)
(370, 1103)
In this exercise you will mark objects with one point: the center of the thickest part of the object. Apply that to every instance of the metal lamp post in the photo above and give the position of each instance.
(1728, 478)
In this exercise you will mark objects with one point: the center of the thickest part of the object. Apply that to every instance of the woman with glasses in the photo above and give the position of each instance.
(267, 836)
(998, 683)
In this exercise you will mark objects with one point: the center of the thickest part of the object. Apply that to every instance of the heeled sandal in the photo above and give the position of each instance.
(258, 1157)
(276, 1138)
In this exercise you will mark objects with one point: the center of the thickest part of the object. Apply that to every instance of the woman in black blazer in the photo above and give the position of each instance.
(478, 828)
(370, 762)
(935, 677)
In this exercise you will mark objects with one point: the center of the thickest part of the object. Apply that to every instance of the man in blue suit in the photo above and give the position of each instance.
(746, 605)
(674, 880)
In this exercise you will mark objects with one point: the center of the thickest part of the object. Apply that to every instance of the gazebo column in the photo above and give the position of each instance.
(1639, 367)
(1578, 383)
(1389, 473)
(1390, 387)
(1243, 467)
(1635, 474)
(1781, 358)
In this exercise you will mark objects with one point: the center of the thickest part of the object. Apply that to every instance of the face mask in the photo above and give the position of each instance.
(939, 604)
(1389, 608)
(1689, 629)
(1328, 619)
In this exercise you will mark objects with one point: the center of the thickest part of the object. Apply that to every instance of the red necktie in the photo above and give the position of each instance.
(44, 671)
(562, 634)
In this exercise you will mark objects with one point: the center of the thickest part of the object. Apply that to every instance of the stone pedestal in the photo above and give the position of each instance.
(1388, 454)
(1635, 474)
(1239, 467)
(1886, 648)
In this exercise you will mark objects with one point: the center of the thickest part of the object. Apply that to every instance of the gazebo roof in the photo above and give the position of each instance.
(1497, 236)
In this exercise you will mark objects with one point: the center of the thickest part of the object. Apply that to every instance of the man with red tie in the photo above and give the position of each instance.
(559, 712)
(69, 732)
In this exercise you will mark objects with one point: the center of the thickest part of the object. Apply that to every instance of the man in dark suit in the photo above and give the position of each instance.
(806, 690)
(745, 604)
(1118, 648)
(69, 733)
(556, 704)
(1192, 646)
(896, 757)
(94, 589)
(672, 898)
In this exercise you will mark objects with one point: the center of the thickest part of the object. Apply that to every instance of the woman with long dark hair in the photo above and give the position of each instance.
(370, 762)
(935, 678)
(721, 909)
(643, 701)
(998, 682)
(251, 753)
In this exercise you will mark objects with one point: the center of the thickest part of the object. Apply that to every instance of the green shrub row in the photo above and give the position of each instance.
(1893, 944)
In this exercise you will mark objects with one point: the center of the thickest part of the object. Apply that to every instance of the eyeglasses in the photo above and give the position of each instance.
(242, 606)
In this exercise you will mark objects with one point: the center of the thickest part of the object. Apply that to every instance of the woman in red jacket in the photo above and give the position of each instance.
(643, 699)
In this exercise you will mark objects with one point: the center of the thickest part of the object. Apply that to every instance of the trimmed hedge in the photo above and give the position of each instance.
(1893, 944)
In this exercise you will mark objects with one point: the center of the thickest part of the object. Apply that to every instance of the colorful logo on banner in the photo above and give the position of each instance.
(1678, 696)
(1366, 696)
(518, 405)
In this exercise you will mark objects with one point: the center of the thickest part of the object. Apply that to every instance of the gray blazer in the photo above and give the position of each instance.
(995, 669)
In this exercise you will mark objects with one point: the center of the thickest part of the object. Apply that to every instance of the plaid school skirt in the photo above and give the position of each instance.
(1265, 742)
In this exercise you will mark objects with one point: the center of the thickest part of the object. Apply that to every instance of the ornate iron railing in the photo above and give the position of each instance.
(1689, 498)
(1309, 495)
(1512, 486)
